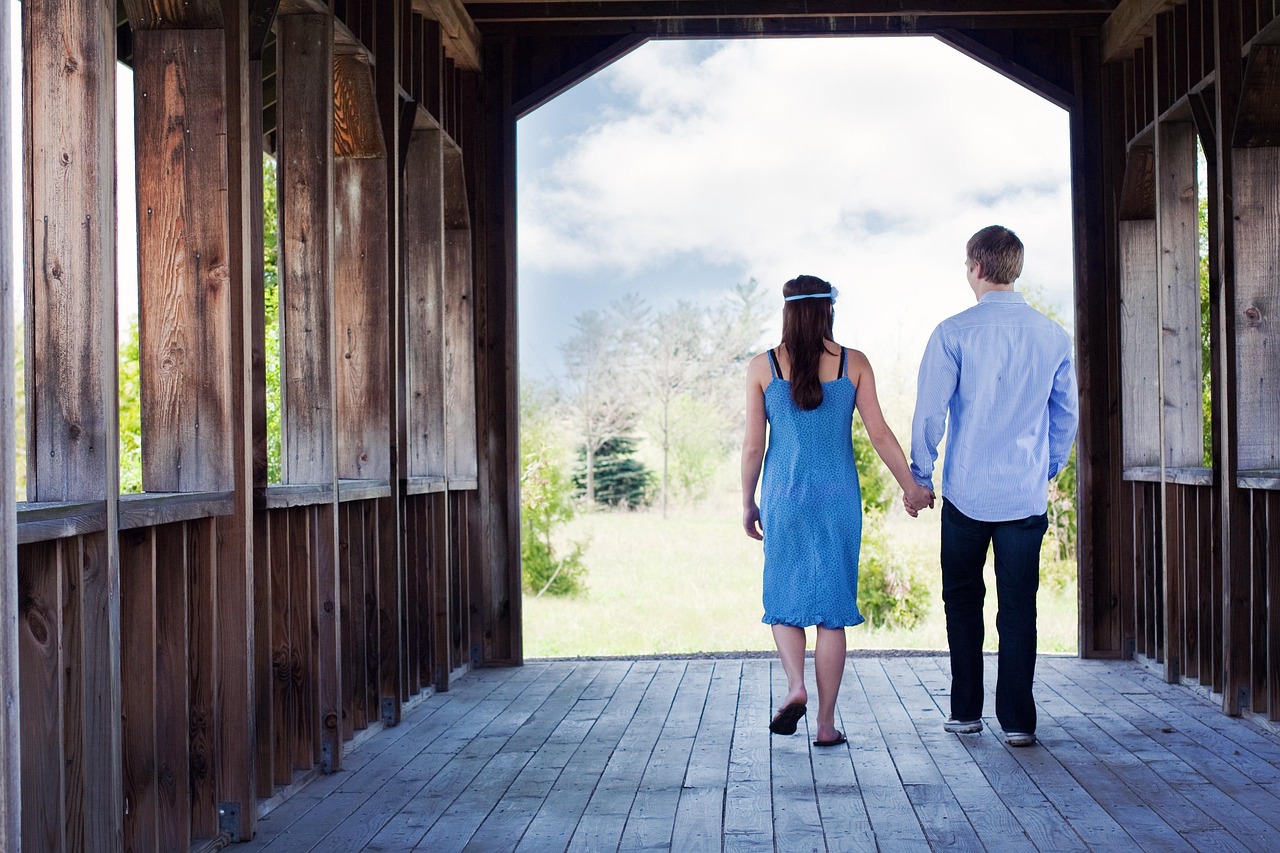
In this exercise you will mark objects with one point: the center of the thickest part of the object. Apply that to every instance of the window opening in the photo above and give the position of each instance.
(1202, 247)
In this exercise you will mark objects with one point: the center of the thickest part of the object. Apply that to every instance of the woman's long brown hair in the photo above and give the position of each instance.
(806, 324)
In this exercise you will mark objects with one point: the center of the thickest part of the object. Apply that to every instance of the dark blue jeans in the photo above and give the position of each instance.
(1017, 550)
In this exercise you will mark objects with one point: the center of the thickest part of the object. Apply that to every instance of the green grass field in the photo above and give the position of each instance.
(691, 583)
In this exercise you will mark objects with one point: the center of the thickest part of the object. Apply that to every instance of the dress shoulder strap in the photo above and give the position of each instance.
(844, 363)
(773, 365)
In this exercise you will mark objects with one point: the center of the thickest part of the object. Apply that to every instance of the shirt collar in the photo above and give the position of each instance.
(1007, 296)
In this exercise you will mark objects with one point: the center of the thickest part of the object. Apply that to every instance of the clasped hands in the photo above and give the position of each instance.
(917, 498)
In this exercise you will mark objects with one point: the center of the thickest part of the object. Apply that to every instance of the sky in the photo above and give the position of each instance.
(690, 166)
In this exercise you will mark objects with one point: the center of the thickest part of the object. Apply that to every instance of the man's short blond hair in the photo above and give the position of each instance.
(999, 251)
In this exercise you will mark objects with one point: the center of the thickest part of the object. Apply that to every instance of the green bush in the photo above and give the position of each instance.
(545, 505)
(889, 593)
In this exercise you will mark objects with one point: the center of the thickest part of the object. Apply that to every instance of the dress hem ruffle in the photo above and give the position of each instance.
(820, 621)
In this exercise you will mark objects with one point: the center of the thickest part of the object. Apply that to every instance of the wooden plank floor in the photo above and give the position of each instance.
(597, 755)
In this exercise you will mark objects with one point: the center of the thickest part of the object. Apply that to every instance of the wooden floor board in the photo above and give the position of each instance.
(676, 755)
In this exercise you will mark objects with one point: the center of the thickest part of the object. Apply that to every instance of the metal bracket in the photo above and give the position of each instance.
(1246, 698)
(388, 712)
(229, 822)
(326, 757)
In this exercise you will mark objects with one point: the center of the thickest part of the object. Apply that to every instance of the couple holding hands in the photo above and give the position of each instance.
(998, 379)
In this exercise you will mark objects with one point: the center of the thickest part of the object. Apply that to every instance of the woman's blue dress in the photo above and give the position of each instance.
(811, 507)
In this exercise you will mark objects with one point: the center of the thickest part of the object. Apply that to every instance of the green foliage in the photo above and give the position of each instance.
(890, 595)
(1206, 326)
(545, 506)
(697, 448)
(879, 489)
(271, 292)
(20, 408)
(621, 480)
(130, 382)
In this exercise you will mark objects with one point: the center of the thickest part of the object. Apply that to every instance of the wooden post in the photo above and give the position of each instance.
(305, 133)
(10, 711)
(493, 125)
(1178, 344)
(1233, 502)
(389, 20)
(69, 111)
(183, 264)
(424, 285)
(1097, 365)
(234, 603)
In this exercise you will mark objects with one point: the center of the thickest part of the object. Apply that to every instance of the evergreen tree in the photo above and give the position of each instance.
(620, 479)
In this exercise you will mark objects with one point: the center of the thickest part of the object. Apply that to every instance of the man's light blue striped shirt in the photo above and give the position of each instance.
(998, 379)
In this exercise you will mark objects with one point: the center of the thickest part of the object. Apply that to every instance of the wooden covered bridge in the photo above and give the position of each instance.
(174, 663)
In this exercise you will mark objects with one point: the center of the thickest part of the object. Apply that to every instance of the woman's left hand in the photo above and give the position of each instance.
(751, 521)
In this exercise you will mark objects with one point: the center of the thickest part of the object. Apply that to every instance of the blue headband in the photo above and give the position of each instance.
(832, 294)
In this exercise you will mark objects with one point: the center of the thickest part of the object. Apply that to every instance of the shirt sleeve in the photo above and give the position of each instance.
(1064, 415)
(939, 375)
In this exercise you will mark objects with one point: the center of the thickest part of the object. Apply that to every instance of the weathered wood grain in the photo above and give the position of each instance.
(138, 672)
(69, 156)
(234, 606)
(459, 325)
(40, 684)
(173, 778)
(1140, 342)
(361, 284)
(305, 129)
(1178, 274)
(424, 301)
(183, 255)
(1257, 267)
(265, 607)
(326, 662)
(205, 652)
(460, 34)
(173, 14)
(284, 663)
(10, 709)
(439, 591)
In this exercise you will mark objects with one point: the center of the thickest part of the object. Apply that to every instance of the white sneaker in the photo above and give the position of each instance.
(962, 727)
(1019, 738)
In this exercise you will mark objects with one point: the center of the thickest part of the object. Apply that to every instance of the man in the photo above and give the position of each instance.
(998, 378)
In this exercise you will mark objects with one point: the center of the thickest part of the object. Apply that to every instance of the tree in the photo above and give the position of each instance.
(620, 478)
(545, 504)
(602, 399)
(675, 362)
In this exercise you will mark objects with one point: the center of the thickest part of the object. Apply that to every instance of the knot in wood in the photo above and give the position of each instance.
(1253, 314)
(38, 625)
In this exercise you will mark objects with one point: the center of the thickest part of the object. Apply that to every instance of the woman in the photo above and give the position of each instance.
(810, 513)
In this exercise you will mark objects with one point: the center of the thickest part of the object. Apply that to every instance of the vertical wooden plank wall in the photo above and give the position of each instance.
(73, 613)
(10, 710)
(1203, 562)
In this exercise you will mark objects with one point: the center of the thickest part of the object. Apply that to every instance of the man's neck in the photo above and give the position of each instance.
(984, 287)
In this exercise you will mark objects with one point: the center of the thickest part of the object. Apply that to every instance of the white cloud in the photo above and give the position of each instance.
(865, 161)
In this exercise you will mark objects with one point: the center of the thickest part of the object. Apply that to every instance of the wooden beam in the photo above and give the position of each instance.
(174, 14)
(1128, 25)
(261, 16)
(1138, 190)
(484, 12)
(461, 36)
(10, 709)
(783, 26)
(998, 60)
(1258, 122)
(357, 132)
(184, 303)
(459, 323)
